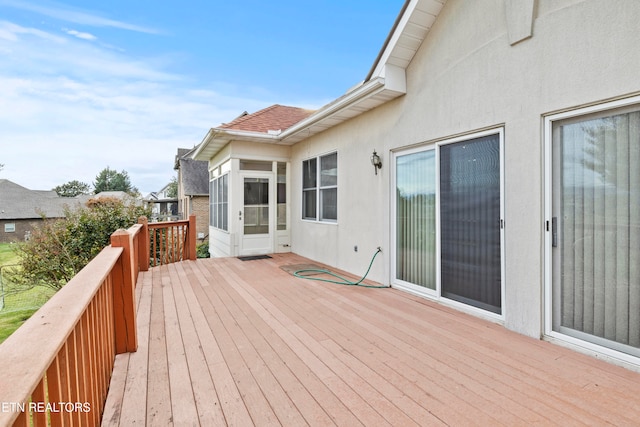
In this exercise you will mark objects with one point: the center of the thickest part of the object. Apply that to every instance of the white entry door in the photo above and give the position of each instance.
(256, 216)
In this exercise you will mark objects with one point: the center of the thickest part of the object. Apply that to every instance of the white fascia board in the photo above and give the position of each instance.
(244, 135)
(348, 100)
(199, 153)
(409, 31)
(378, 70)
(217, 138)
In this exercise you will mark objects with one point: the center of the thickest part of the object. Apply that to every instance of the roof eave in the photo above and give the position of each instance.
(367, 96)
(407, 34)
(217, 138)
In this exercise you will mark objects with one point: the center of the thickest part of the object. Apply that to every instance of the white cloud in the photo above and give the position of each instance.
(69, 109)
(81, 35)
(11, 32)
(64, 13)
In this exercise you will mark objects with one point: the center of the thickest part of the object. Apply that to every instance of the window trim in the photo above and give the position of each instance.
(10, 227)
(319, 189)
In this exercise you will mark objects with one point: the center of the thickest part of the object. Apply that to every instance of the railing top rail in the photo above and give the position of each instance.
(164, 224)
(135, 229)
(28, 352)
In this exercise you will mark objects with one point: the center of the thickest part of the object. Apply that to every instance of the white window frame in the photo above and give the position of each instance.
(10, 227)
(318, 189)
(549, 121)
(214, 203)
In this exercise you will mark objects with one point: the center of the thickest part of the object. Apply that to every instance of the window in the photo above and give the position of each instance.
(594, 238)
(309, 190)
(10, 228)
(320, 188)
(219, 202)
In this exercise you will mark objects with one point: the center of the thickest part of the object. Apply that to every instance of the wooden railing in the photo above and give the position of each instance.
(172, 241)
(56, 368)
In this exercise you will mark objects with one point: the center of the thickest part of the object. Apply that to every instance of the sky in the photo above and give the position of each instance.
(86, 85)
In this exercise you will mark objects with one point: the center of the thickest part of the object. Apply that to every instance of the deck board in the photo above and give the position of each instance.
(227, 342)
(158, 409)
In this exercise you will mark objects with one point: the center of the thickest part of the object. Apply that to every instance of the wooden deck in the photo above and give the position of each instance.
(227, 342)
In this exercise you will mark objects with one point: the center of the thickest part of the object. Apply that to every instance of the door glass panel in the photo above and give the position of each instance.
(282, 196)
(256, 206)
(416, 218)
(596, 249)
(470, 222)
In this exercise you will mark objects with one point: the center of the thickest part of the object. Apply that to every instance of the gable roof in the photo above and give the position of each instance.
(194, 174)
(385, 81)
(18, 202)
(275, 118)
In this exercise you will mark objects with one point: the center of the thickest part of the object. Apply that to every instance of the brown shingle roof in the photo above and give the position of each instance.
(275, 117)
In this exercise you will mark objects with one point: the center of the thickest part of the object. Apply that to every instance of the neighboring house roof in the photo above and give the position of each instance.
(194, 174)
(18, 202)
(160, 196)
(152, 196)
(385, 81)
(195, 177)
(46, 193)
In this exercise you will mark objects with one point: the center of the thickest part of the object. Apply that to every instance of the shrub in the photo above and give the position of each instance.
(58, 249)
(202, 250)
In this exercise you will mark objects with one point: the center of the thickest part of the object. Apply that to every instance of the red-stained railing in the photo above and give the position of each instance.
(57, 366)
(172, 241)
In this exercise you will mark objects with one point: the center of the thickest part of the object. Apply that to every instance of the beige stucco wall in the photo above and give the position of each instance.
(465, 77)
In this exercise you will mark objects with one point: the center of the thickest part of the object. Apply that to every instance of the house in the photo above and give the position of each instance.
(163, 207)
(508, 180)
(193, 190)
(260, 184)
(21, 209)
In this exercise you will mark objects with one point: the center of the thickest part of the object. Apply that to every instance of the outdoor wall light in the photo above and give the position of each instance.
(375, 161)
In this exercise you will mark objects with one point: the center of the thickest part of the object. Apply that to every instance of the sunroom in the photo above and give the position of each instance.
(250, 166)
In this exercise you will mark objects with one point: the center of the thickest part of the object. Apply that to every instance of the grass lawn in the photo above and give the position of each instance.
(20, 306)
(7, 256)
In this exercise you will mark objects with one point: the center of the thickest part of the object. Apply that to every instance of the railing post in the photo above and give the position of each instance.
(143, 244)
(192, 237)
(124, 304)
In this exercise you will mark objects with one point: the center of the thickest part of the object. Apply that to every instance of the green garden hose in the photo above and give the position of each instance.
(342, 280)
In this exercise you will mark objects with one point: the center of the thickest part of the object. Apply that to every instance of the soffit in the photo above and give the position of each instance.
(410, 29)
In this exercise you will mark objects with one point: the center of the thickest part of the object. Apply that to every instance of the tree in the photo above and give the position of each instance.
(58, 249)
(172, 188)
(111, 180)
(72, 189)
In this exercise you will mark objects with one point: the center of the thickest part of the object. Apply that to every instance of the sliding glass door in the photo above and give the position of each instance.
(595, 228)
(448, 220)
